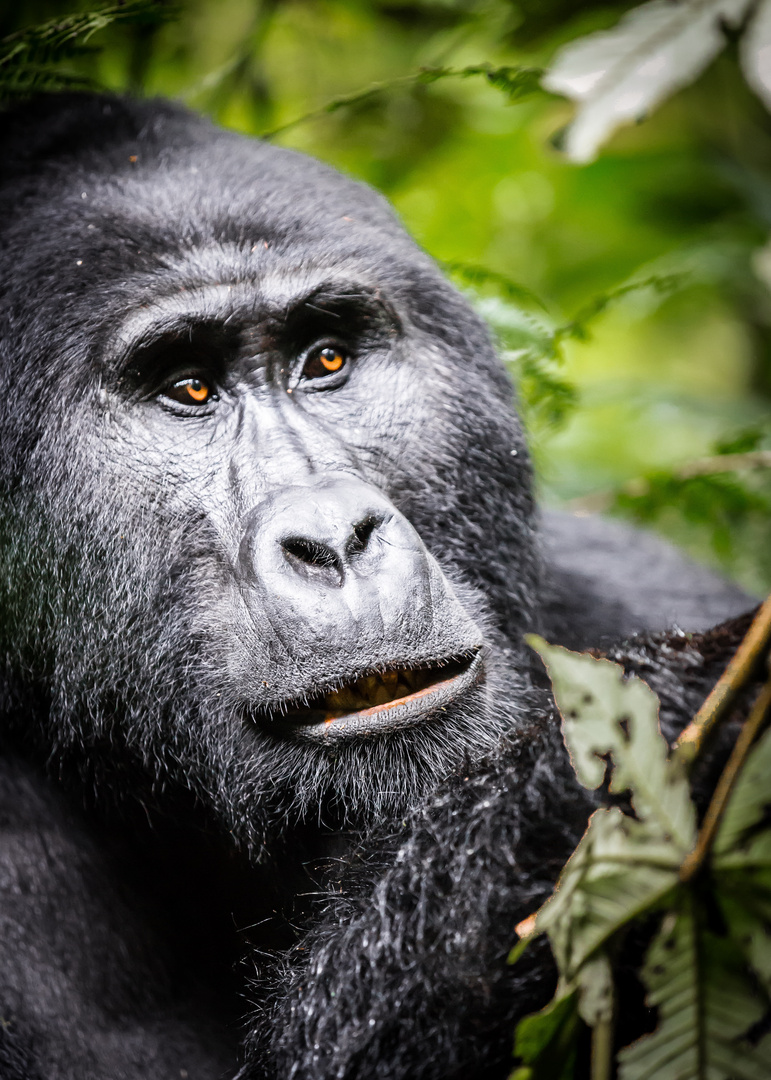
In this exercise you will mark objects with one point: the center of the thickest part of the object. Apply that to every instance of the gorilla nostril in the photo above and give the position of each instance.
(311, 555)
(361, 536)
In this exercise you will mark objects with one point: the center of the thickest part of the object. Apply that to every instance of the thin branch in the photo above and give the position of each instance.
(725, 785)
(740, 669)
(600, 501)
(663, 284)
(513, 81)
(602, 1049)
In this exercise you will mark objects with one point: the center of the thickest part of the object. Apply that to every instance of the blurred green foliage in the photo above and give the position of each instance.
(631, 296)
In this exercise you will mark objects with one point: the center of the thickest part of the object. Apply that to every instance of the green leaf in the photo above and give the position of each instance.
(706, 1005)
(27, 58)
(546, 1041)
(514, 81)
(544, 393)
(605, 714)
(746, 906)
(741, 442)
(720, 502)
(480, 276)
(578, 327)
(737, 842)
(620, 870)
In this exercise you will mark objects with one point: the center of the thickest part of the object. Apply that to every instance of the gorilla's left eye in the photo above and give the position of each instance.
(190, 391)
(324, 361)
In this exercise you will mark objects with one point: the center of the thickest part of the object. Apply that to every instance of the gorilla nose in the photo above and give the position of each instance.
(319, 538)
(342, 583)
(329, 548)
(335, 566)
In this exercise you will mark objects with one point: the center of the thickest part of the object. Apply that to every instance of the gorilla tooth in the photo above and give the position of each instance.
(382, 691)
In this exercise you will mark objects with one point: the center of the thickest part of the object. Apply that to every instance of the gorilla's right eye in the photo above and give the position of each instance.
(190, 391)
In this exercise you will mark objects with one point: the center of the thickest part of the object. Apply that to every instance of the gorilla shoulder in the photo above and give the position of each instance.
(605, 580)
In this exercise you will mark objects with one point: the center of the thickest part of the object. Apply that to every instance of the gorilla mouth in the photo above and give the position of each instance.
(385, 700)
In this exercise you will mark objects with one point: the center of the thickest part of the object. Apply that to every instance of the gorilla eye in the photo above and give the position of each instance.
(325, 361)
(190, 391)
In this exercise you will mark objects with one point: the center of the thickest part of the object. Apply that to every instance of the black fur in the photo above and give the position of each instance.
(172, 593)
(405, 974)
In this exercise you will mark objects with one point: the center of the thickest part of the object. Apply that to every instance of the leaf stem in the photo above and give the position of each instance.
(694, 861)
(602, 1049)
(735, 677)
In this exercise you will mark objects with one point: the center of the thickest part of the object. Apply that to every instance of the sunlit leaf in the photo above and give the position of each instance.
(745, 903)
(755, 52)
(620, 870)
(620, 75)
(708, 971)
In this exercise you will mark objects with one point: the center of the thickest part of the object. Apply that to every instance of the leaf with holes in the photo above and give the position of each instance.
(621, 869)
(745, 904)
(607, 716)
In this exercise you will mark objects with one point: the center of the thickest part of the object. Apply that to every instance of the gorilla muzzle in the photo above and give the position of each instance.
(373, 631)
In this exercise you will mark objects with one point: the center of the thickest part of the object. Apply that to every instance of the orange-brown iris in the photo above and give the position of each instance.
(197, 390)
(192, 391)
(331, 359)
(323, 362)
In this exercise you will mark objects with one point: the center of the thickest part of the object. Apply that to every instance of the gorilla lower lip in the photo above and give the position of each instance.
(385, 700)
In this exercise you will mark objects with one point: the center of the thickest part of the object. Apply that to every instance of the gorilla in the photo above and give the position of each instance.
(268, 548)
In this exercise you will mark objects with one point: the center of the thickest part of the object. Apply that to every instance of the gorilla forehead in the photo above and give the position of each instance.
(151, 200)
(151, 175)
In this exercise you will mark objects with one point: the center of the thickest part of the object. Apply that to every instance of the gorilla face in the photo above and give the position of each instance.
(267, 526)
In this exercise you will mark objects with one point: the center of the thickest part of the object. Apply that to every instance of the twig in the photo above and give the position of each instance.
(577, 327)
(514, 81)
(735, 677)
(693, 862)
(356, 98)
(602, 1049)
(600, 501)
